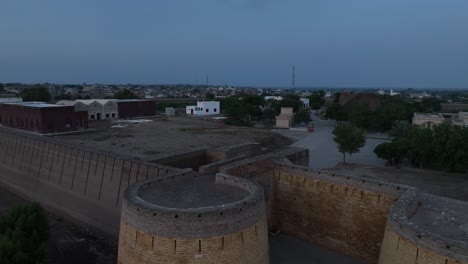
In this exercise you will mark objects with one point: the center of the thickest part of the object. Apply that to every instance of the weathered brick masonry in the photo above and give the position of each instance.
(228, 233)
(412, 235)
(345, 214)
(84, 184)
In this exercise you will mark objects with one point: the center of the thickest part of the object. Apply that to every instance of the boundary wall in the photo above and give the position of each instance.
(84, 184)
(346, 214)
(229, 233)
(406, 242)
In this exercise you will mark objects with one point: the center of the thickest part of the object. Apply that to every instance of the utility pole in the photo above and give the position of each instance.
(294, 77)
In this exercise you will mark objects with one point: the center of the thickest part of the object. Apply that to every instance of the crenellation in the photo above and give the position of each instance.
(212, 234)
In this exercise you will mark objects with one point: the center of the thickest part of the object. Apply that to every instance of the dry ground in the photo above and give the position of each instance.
(148, 140)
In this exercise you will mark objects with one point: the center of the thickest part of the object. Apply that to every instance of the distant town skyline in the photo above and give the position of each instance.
(365, 44)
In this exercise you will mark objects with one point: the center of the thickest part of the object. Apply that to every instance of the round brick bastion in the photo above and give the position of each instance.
(423, 228)
(194, 219)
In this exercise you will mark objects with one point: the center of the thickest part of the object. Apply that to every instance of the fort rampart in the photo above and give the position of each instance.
(346, 214)
(412, 235)
(234, 232)
(82, 183)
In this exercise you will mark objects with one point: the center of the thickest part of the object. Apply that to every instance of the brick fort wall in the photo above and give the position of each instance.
(230, 233)
(345, 214)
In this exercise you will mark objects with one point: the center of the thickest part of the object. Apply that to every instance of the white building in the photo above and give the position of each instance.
(203, 108)
(97, 108)
(305, 102)
(392, 93)
(271, 97)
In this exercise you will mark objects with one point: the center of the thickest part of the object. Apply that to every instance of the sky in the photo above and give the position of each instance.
(331, 43)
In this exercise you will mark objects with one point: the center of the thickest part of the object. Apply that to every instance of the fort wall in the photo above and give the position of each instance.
(83, 184)
(407, 241)
(229, 233)
(342, 213)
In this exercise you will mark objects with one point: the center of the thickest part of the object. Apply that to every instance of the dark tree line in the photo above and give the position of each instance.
(392, 108)
(23, 235)
(442, 147)
(243, 109)
(39, 94)
(125, 94)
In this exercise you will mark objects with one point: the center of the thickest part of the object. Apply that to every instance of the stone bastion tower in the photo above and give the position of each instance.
(187, 219)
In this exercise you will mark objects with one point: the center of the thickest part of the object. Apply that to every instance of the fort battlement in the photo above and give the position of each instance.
(227, 221)
(357, 182)
(85, 184)
(423, 228)
(143, 211)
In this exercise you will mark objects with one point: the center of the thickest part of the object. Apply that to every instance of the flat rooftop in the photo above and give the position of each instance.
(441, 216)
(196, 192)
(134, 100)
(35, 104)
(431, 115)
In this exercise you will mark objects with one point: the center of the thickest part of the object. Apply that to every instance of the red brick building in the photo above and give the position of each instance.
(136, 108)
(42, 117)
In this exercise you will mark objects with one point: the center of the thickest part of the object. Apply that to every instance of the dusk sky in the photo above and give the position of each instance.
(332, 43)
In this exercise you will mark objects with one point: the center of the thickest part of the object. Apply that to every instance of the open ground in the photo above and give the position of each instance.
(149, 140)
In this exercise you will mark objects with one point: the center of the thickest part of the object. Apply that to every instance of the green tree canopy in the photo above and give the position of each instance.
(23, 235)
(291, 100)
(125, 94)
(39, 94)
(336, 112)
(303, 115)
(210, 96)
(316, 100)
(349, 139)
(442, 147)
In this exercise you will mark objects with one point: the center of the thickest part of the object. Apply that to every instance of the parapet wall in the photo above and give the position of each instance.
(342, 213)
(193, 222)
(228, 233)
(409, 241)
(79, 182)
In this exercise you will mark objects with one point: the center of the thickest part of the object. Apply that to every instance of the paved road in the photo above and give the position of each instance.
(322, 149)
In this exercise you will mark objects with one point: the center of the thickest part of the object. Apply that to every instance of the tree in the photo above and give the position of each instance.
(442, 147)
(317, 100)
(268, 114)
(349, 139)
(23, 235)
(39, 94)
(400, 129)
(291, 100)
(2, 87)
(359, 115)
(336, 112)
(394, 152)
(303, 115)
(210, 96)
(125, 94)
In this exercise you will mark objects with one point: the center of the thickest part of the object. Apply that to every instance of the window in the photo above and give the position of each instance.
(113, 114)
(214, 110)
(107, 115)
(92, 117)
(207, 110)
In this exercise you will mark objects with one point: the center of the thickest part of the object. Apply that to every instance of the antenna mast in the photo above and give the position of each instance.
(294, 77)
